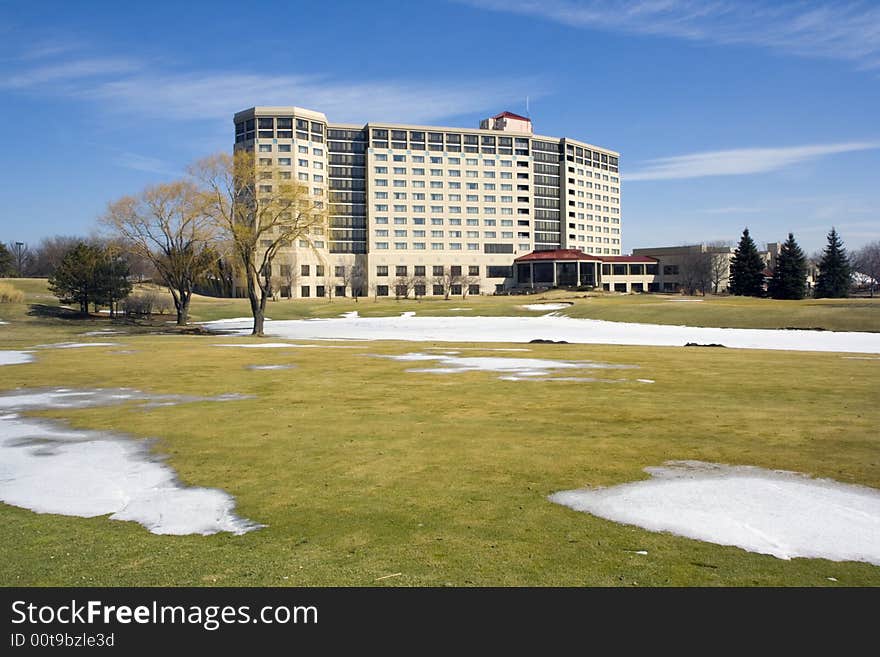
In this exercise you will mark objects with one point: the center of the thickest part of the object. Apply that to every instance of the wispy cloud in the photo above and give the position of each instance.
(733, 210)
(219, 95)
(144, 163)
(67, 72)
(740, 161)
(139, 88)
(848, 30)
(50, 48)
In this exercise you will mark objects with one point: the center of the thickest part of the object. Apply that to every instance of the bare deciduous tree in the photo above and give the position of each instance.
(353, 278)
(261, 212)
(866, 261)
(449, 279)
(719, 263)
(289, 273)
(403, 286)
(695, 270)
(166, 225)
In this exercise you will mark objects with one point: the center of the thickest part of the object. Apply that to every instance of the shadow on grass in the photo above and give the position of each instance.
(56, 312)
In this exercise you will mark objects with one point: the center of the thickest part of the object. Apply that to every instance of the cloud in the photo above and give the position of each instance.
(144, 163)
(219, 95)
(837, 30)
(67, 72)
(733, 210)
(126, 85)
(50, 48)
(740, 161)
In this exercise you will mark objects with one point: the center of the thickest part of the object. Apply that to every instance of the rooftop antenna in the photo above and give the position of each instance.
(527, 107)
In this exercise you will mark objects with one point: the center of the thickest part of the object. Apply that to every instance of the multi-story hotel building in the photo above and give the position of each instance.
(418, 201)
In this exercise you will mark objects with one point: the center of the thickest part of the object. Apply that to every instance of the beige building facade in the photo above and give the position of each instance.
(413, 205)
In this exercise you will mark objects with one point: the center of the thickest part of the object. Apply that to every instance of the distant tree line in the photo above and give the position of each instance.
(788, 279)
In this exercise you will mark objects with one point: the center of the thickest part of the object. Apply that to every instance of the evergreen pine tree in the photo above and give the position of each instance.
(7, 266)
(835, 270)
(88, 274)
(789, 275)
(746, 268)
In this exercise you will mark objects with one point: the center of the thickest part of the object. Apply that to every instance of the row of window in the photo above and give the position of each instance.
(451, 246)
(451, 271)
(420, 159)
(470, 198)
(452, 234)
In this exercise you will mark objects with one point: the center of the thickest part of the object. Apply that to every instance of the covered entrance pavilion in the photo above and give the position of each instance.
(558, 268)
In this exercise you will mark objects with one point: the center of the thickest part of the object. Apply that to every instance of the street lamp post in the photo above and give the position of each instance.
(18, 246)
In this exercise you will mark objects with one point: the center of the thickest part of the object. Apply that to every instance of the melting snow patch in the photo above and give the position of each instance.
(784, 514)
(458, 309)
(477, 349)
(351, 314)
(270, 367)
(515, 369)
(76, 345)
(48, 468)
(576, 379)
(645, 380)
(283, 345)
(236, 320)
(11, 357)
(575, 331)
(101, 332)
(408, 313)
(545, 306)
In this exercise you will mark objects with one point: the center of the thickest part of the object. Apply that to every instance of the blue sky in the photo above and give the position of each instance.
(726, 114)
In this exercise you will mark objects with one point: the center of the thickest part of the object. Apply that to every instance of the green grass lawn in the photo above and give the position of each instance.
(860, 314)
(360, 469)
(733, 312)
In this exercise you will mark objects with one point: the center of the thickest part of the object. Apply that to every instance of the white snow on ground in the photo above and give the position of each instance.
(516, 369)
(408, 313)
(2, 322)
(101, 332)
(580, 331)
(545, 306)
(237, 320)
(270, 367)
(451, 309)
(11, 357)
(77, 345)
(478, 349)
(289, 345)
(351, 314)
(48, 468)
(784, 514)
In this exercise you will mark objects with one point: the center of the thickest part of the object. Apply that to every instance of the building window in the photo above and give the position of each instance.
(305, 291)
(381, 270)
(304, 270)
(381, 290)
(400, 270)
